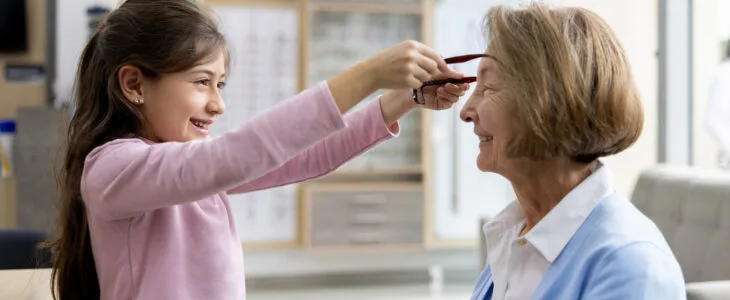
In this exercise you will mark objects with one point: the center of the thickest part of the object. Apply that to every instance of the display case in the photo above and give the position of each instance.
(280, 48)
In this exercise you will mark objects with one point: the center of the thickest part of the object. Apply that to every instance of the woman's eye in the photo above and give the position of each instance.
(221, 85)
(481, 90)
(488, 90)
(203, 82)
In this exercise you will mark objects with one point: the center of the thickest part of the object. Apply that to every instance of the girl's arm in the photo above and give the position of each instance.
(126, 177)
(366, 127)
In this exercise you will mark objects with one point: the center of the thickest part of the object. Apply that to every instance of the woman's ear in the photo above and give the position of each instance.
(130, 81)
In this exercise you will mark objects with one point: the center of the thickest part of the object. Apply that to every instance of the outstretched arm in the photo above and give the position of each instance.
(124, 178)
(366, 127)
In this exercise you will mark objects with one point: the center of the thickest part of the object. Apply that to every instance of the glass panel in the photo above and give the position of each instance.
(711, 86)
(341, 39)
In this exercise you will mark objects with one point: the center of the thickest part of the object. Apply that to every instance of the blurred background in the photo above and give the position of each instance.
(404, 220)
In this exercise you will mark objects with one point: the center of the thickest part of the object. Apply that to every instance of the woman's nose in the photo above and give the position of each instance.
(467, 113)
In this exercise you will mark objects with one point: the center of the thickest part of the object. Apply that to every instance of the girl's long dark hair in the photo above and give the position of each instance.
(157, 36)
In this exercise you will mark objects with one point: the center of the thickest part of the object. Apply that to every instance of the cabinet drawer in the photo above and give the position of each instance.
(407, 233)
(365, 214)
(342, 207)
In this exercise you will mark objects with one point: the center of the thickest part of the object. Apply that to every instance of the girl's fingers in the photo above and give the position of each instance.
(443, 95)
(453, 90)
(428, 65)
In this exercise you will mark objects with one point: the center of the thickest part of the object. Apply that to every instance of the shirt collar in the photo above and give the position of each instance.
(552, 233)
(507, 218)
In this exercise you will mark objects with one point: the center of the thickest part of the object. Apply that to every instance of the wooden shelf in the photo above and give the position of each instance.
(256, 3)
(406, 174)
(413, 170)
(269, 245)
(366, 248)
(308, 188)
(367, 8)
(385, 3)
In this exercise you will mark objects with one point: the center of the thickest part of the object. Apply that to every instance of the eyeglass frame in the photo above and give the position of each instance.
(450, 60)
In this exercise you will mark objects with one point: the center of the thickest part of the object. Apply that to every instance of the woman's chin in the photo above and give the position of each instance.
(484, 164)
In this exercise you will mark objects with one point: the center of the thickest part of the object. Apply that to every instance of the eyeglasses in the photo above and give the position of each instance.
(418, 93)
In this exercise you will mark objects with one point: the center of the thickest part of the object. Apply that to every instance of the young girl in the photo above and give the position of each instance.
(144, 192)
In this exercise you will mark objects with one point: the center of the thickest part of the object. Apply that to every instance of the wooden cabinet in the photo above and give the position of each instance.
(16, 94)
(330, 36)
(7, 204)
(362, 215)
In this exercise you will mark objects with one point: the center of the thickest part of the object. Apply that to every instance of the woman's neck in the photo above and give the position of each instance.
(541, 185)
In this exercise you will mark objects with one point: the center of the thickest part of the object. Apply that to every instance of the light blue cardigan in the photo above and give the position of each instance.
(618, 253)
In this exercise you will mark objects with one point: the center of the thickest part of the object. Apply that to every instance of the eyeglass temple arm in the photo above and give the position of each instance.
(464, 58)
(451, 80)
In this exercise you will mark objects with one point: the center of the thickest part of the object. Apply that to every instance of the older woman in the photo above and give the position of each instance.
(554, 93)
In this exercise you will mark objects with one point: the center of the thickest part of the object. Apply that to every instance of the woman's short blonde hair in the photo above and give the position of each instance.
(571, 80)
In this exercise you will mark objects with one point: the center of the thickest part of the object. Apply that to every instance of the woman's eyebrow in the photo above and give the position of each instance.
(483, 71)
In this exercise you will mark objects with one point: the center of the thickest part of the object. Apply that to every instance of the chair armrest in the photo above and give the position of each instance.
(708, 290)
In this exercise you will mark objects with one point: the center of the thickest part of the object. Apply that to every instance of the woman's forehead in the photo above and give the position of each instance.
(487, 65)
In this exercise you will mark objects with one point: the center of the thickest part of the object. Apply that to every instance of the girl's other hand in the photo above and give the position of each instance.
(443, 96)
(406, 65)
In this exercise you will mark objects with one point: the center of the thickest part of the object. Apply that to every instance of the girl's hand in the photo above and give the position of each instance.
(396, 103)
(403, 66)
(406, 65)
(443, 96)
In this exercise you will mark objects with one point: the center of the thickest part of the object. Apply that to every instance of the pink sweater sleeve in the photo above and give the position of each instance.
(365, 129)
(126, 177)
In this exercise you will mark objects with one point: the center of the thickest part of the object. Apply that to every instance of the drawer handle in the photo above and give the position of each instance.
(369, 200)
(370, 219)
(366, 238)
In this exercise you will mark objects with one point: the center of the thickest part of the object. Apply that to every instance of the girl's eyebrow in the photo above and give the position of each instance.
(207, 72)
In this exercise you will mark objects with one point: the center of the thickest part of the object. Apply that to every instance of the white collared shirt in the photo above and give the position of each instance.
(519, 263)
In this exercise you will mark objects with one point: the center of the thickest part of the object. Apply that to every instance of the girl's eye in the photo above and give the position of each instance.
(221, 85)
(203, 82)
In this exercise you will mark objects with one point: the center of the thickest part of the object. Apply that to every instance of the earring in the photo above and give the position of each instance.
(139, 101)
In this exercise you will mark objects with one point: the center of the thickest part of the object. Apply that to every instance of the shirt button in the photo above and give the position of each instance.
(522, 242)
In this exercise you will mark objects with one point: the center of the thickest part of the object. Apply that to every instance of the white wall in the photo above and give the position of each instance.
(71, 37)
(711, 26)
(462, 193)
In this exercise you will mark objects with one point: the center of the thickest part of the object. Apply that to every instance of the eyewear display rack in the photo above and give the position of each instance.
(380, 200)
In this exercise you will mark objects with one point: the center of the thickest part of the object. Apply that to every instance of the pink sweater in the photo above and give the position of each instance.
(160, 222)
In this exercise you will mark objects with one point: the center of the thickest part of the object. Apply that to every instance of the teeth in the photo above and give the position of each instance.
(200, 124)
(486, 138)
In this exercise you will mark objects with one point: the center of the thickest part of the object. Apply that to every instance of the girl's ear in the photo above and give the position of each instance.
(130, 80)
